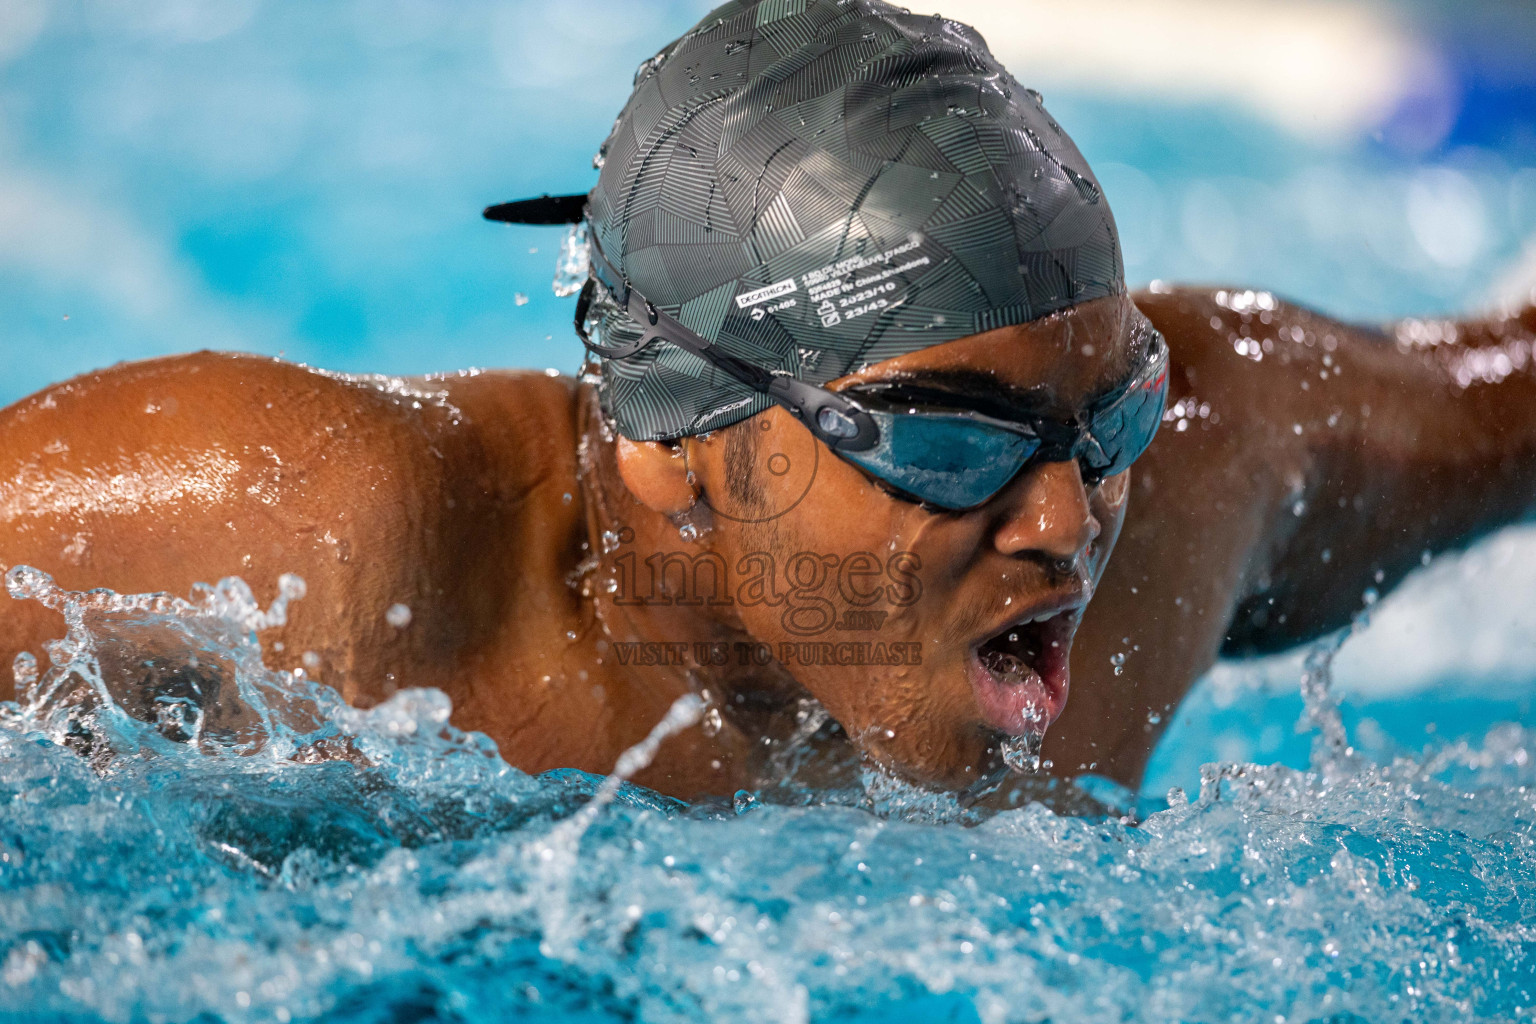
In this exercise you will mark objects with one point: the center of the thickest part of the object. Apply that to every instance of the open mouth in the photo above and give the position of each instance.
(1020, 676)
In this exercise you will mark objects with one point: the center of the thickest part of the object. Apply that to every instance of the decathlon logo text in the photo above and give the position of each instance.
(773, 291)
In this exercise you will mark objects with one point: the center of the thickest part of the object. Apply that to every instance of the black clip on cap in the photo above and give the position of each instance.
(838, 422)
(544, 209)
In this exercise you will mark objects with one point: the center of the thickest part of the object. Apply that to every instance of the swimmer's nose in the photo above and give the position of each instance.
(1046, 510)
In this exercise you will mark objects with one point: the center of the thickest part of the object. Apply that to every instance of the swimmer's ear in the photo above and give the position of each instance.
(656, 473)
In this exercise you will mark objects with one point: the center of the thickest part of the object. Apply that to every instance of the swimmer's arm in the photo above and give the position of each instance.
(1301, 463)
(1370, 451)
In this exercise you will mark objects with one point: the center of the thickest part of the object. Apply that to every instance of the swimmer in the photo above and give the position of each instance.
(852, 451)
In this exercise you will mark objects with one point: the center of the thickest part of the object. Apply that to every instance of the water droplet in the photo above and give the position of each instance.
(291, 586)
(1022, 753)
(399, 616)
(575, 258)
(24, 670)
(24, 583)
(688, 532)
(713, 722)
(520, 299)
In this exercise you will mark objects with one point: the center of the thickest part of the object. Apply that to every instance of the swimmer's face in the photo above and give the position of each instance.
(929, 635)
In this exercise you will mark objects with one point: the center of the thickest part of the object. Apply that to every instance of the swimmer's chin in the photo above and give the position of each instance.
(1011, 684)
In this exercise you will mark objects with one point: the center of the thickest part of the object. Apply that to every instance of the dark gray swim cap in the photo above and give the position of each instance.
(818, 185)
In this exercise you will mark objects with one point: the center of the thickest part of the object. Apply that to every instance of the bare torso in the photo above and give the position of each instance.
(1302, 463)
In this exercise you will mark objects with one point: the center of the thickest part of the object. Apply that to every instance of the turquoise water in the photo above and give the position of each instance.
(285, 857)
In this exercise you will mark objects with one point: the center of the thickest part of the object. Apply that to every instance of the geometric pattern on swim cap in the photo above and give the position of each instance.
(818, 185)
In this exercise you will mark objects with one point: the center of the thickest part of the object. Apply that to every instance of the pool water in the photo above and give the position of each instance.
(282, 856)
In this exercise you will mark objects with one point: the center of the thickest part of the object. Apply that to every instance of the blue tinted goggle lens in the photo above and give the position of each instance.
(958, 460)
(952, 461)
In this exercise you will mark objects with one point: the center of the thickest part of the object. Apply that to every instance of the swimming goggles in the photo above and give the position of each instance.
(954, 459)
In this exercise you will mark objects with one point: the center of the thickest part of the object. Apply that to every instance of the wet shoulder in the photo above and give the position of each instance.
(1248, 354)
(222, 421)
(521, 429)
(1249, 323)
(206, 434)
(229, 401)
(153, 476)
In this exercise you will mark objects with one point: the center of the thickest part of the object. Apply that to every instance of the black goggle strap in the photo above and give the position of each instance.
(837, 421)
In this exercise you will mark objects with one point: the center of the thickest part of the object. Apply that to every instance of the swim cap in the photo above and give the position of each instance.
(818, 185)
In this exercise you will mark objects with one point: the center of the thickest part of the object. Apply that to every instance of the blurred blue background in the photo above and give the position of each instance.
(306, 179)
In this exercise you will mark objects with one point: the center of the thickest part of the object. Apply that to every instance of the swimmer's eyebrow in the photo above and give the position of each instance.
(980, 391)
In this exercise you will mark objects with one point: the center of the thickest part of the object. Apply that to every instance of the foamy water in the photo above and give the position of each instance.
(281, 856)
